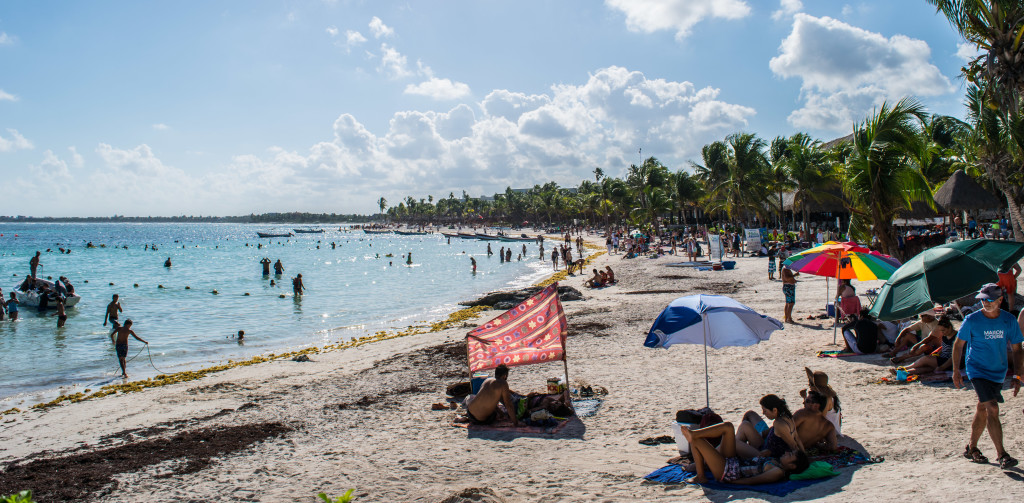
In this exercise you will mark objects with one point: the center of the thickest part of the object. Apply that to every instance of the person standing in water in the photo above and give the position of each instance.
(278, 267)
(33, 264)
(297, 286)
(112, 309)
(12, 307)
(121, 342)
(266, 266)
(473, 262)
(61, 314)
(408, 260)
(167, 263)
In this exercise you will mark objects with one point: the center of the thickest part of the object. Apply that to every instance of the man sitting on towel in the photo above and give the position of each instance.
(482, 408)
(811, 425)
(861, 334)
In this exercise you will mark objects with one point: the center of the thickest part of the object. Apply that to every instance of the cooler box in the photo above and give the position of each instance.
(830, 309)
(681, 443)
(476, 381)
(728, 265)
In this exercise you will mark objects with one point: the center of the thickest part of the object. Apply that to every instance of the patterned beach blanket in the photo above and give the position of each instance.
(843, 457)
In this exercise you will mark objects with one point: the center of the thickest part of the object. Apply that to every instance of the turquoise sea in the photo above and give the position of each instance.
(352, 290)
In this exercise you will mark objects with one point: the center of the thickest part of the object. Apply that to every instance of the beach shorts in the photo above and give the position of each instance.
(790, 292)
(473, 420)
(988, 390)
(122, 350)
(771, 266)
(761, 427)
(732, 470)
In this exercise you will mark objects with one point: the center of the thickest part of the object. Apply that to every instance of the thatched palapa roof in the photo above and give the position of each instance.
(961, 192)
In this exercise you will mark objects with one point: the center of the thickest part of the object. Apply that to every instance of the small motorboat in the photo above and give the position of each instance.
(273, 235)
(521, 237)
(308, 231)
(377, 231)
(412, 233)
(31, 297)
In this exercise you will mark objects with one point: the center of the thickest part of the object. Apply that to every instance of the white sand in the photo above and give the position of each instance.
(399, 450)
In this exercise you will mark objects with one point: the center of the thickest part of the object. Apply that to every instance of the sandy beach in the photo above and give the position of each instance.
(361, 417)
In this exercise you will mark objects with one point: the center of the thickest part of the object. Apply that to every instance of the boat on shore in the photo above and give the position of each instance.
(31, 298)
(274, 235)
(377, 231)
(524, 238)
(486, 237)
(308, 231)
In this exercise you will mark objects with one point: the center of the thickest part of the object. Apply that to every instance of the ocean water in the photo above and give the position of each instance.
(351, 291)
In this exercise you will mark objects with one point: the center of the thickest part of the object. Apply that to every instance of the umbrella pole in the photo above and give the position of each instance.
(835, 306)
(707, 381)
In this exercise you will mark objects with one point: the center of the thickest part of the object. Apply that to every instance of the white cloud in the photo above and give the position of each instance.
(507, 139)
(787, 8)
(439, 89)
(332, 31)
(967, 51)
(847, 10)
(649, 16)
(6, 39)
(353, 39)
(161, 127)
(379, 29)
(845, 70)
(393, 63)
(7, 96)
(17, 142)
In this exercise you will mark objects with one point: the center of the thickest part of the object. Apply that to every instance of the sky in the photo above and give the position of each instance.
(235, 107)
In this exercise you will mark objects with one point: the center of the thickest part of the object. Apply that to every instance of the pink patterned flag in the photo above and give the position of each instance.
(532, 332)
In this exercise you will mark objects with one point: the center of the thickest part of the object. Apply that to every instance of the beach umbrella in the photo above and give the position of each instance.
(944, 273)
(710, 320)
(842, 261)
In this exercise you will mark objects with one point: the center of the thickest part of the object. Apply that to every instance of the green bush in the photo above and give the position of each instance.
(345, 498)
(22, 497)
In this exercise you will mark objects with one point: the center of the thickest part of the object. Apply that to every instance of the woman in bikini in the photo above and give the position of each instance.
(727, 466)
(754, 437)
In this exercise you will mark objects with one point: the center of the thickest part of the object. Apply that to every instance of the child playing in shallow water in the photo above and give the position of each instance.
(818, 381)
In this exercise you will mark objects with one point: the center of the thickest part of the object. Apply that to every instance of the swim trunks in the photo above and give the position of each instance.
(472, 419)
(731, 471)
(122, 350)
(987, 390)
(790, 292)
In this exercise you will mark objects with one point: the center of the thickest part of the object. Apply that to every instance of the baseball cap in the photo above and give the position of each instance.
(989, 291)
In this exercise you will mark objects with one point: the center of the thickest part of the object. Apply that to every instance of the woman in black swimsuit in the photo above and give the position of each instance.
(754, 437)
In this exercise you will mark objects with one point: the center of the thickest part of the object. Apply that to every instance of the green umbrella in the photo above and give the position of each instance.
(942, 274)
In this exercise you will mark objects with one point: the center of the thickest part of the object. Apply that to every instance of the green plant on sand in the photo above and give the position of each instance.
(344, 498)
(22, 497)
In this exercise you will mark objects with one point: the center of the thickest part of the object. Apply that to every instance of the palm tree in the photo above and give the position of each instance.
(382, 203)
(778, 153)
(992, 144)
(879, 177)
(810, 174)
(744, 186)
(995, 27)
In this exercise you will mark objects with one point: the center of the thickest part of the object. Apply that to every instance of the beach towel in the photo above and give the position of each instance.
(507, 426)
(675, 474)
(843, 457)
(835, 354)
(586, 407)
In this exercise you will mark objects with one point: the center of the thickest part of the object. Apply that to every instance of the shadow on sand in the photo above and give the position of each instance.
(574, 429)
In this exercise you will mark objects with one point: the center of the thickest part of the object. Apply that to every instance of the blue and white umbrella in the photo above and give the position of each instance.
(710, 320)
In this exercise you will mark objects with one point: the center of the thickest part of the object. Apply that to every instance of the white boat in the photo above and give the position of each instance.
(31, 297)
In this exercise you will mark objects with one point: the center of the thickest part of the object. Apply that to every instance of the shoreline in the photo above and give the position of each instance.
(460, 315)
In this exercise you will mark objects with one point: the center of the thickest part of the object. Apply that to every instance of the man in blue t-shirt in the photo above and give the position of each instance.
(987, 334)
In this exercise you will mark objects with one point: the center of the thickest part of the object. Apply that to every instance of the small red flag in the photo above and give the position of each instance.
(532, 332)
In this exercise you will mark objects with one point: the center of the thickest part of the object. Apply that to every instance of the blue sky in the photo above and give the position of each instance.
(216, 107)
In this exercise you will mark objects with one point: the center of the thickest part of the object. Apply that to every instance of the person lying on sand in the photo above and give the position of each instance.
(754, 438)
(811, 425)
(934, 362)
(726, 466)
(482, 408)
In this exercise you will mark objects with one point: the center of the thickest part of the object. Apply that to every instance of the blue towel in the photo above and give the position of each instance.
(586, 407)
(674, 474)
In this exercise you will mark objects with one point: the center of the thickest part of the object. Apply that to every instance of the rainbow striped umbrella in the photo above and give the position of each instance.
(843, 261)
